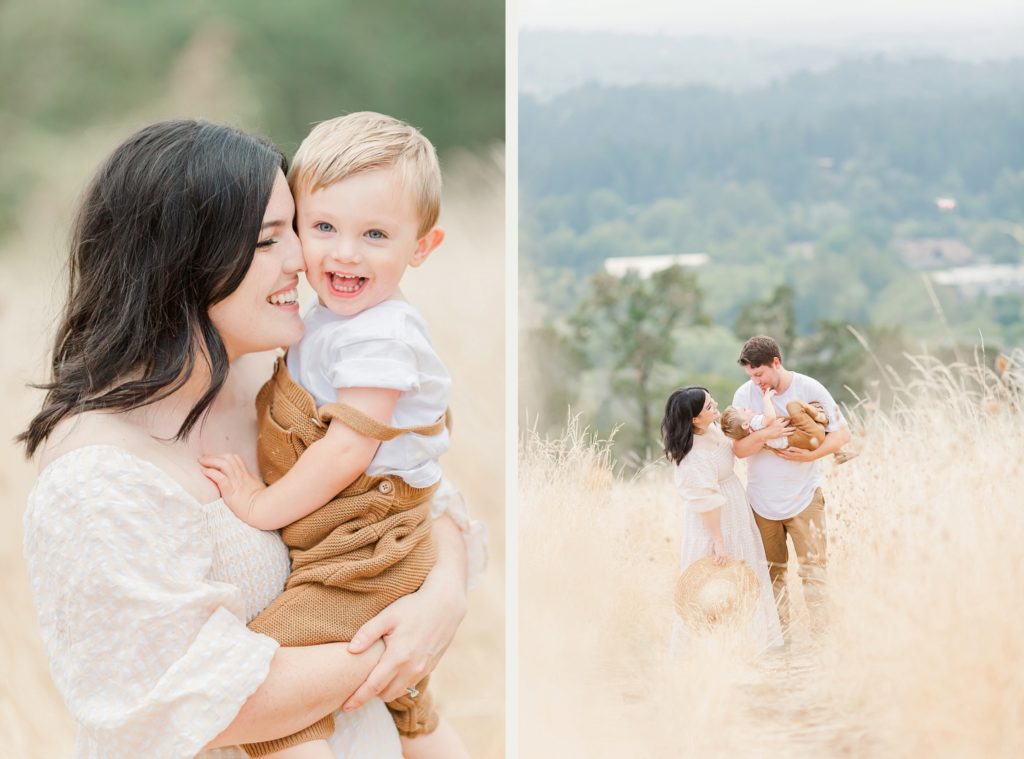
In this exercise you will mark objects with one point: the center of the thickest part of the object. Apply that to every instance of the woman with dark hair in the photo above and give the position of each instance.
(183, 266)
(716, 519)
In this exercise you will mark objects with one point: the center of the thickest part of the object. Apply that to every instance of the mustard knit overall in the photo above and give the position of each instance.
(365, 548)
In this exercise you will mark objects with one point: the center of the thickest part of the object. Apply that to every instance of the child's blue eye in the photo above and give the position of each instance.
(375, 234)
(323, 226)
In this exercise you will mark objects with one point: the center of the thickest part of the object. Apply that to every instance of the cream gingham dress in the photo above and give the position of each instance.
(706, 480)
(143, 594)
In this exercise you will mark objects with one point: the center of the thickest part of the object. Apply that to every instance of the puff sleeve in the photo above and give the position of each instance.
(449, 500)
(696, 479)
(383, 362)
(151, 656)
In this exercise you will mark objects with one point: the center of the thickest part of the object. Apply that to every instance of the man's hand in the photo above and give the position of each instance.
(797, 454)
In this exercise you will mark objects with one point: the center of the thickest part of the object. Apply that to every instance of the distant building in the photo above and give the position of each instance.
(803, 250)
(946, 205)
(645, 266)
(986, 279)
(935, 252)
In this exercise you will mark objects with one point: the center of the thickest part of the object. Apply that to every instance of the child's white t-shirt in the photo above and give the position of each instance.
(757, 423)
(385, 346)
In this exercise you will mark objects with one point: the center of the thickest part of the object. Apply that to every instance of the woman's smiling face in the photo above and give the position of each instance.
(708, 415)
(263, 313)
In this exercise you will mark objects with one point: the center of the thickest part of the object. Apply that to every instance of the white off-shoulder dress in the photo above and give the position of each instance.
(143, 595)
(706, 480)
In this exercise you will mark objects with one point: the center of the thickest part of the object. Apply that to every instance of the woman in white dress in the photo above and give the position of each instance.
(716, 518)
(142, 578)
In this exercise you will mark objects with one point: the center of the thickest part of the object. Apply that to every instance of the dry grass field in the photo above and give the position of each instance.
(461, 293)
(924, 653)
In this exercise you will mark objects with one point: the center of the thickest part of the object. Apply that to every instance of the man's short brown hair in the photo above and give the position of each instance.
(759, 350)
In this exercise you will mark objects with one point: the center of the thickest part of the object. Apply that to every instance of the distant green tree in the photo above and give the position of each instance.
(604, 205)
(997, 242)
(834, 356)
(625, 326)
(775, 316)
(1009, 309)
(550, 364)
(1008, 194)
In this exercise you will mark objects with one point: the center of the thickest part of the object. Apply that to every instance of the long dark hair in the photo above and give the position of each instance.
(166, 229)
(677, 426)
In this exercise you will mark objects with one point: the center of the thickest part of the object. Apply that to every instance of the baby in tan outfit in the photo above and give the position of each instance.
(808, 421)
(356, 419)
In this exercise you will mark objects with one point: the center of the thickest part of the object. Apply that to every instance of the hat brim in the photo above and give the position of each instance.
(708, 596)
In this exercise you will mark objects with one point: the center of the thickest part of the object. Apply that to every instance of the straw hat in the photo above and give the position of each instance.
(708, 595)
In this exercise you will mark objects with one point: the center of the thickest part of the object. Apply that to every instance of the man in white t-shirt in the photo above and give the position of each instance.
(784, 486)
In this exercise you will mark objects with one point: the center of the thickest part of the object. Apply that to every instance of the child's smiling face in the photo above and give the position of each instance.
(358, 235)
(745, 415)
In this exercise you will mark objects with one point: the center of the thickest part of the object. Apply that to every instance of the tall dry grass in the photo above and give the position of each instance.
(461, 293)
(924, 652)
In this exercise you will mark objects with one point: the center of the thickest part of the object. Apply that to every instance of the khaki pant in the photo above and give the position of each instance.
(807, 529)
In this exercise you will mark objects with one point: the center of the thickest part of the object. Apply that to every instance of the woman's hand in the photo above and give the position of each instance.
(417, 630)
(718, 551)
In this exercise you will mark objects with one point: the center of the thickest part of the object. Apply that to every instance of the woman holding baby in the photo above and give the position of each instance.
(142, 578)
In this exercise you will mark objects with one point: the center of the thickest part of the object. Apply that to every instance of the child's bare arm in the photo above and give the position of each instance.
(326, 468)
(755, 441)
(768, 406)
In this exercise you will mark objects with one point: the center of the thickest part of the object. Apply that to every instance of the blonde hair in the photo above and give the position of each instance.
(732, 424)
(363, 141)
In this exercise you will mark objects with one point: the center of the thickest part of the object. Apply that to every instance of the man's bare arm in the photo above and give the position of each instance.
(768, 408)
(833, 442)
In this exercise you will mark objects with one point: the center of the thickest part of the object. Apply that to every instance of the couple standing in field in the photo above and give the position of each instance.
(782, 422)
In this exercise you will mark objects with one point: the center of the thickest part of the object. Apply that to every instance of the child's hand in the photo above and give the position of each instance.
(237, 486)
(769, 393)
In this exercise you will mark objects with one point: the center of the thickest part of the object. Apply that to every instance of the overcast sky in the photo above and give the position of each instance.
(780, 19)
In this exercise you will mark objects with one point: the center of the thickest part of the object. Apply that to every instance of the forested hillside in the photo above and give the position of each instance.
(825, 200)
